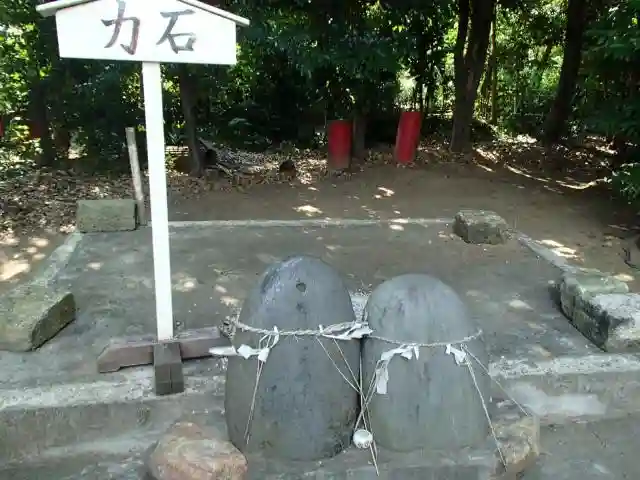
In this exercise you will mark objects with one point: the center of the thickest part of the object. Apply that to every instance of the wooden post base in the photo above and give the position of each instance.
(167, 368)
(139, 350)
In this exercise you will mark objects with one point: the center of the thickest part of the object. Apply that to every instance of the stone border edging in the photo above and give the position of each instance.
(311, 222)
(58, 259)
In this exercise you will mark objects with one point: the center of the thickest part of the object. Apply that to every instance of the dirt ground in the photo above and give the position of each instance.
(573, 216)
(584, 225)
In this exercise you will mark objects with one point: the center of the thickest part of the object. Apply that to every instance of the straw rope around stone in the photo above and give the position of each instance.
(357, 330)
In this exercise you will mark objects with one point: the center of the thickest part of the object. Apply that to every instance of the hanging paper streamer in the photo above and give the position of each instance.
(346, 331)
(407, 352)
(245, 351)
(459, 355)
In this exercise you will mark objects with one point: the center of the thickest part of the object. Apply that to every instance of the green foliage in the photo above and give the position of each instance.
(302, 63)
(611, 99)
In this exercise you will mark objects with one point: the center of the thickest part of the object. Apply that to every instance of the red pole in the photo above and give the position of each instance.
(408, 137)
(339, 144)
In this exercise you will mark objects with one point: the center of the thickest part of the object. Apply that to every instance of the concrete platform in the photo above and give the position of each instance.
(55, 409)
(111, 276)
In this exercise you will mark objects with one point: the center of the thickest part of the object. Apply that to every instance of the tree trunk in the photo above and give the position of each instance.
(39, 116)
(62, 141)
(556, 121)
(494, 70)
(359, 137)
(187, 88)
(469, 66)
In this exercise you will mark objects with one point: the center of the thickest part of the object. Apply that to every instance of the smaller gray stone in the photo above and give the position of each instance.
(432, 403)
(106, 215)
(32, 314)
(611, 321)
(481, 227)
(578, 286)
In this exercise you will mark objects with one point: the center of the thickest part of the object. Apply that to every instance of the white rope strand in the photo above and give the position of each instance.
(458, 349)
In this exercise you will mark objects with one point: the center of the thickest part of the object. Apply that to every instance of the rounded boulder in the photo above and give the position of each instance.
(304, 409)
(431, 402)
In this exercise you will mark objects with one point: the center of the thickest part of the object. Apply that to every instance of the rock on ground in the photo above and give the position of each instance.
(481, 227)
(577, 287)
(519, 444)
(32, 314)
(611, 321)
(188, 451)
(106, 215)
(599, 306)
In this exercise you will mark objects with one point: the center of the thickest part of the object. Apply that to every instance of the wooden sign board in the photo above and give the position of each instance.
(161, 31)
(151, 32)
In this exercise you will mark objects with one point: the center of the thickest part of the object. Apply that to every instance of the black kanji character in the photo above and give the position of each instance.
(120, 19)
(171, 37)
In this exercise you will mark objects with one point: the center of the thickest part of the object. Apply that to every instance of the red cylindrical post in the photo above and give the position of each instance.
(1, 127)
(408, 137)
(339, 143)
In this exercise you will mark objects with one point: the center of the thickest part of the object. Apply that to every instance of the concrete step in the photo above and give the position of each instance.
(579, 451)
(40, 418)
(102, 426)
(120, 458)
(568, 389)
(124, 468)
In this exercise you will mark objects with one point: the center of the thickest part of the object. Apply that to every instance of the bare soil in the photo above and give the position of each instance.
(557, 198)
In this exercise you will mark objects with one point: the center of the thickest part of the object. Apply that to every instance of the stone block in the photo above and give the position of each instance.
(32, 314)
(304, 409)
(432, 389)
(518, 442)
(611, 321)
(577, 287)
(106, 215)
(481, 227)
(188, 451)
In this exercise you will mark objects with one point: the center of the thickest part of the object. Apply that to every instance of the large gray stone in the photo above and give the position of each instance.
(611, 321)
(304, 409)
(481, 227)
(431, 402)
(106, 215)
(32, 314)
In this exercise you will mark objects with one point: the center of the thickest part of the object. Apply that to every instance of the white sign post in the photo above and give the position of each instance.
(151, 32)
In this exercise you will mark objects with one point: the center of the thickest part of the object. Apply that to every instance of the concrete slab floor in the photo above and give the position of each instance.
(585, 451)
(111, 275)
(596, 451)
(506, 288)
